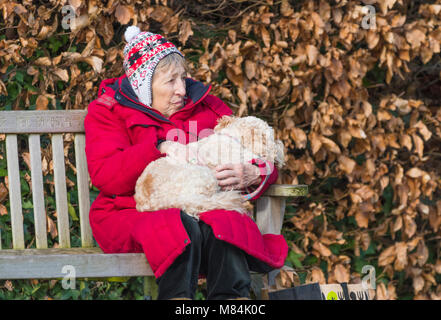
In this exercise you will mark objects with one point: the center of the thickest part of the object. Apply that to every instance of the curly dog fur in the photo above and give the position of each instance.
(170, 182)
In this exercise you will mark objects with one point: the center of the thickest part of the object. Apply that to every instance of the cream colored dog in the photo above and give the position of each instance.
(173, 182)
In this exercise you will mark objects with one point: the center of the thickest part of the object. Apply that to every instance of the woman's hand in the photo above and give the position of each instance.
(237, 176)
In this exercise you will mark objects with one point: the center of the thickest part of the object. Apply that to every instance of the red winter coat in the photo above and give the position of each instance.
(121, 140)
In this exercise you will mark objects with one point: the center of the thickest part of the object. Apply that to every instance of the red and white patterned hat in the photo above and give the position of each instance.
(142, 54)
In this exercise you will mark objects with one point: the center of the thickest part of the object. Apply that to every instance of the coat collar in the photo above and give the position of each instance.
(126, 96)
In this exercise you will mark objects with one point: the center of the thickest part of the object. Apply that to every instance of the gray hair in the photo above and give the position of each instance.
(172, 60)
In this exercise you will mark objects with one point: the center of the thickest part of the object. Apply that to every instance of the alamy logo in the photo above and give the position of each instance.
(69, 279)
(370, 277)
(369, 21)
(68, 19)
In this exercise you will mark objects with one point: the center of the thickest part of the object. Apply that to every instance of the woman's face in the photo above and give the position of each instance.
(168, 88)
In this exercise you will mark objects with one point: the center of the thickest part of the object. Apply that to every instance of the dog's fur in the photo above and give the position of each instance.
(171, 182)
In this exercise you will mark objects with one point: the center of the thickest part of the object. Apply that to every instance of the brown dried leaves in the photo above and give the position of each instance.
(305, 68)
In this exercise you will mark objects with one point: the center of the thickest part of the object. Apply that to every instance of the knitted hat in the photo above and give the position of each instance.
(142, 54)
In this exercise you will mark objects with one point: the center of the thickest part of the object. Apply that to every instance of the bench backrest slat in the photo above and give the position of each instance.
(60, 190)
(57, 123)
(14, 192)
(47, 121)
(37, 191)
(83, 190)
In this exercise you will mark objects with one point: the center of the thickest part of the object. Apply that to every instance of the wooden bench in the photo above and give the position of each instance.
(89, 261)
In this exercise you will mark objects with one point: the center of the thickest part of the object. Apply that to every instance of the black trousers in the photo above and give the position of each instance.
(226, 267)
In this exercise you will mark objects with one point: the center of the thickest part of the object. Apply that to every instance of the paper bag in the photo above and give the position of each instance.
(316, 291)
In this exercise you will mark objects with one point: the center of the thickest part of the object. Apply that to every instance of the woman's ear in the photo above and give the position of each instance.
(224, 122)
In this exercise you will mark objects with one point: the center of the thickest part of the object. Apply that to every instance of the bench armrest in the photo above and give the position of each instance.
(287, 190)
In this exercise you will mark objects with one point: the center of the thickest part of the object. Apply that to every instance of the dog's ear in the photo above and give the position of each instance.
(147, 184)
(224, 122)
(144, 187)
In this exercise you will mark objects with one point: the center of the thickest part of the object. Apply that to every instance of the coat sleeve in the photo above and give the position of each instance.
(268, 175)
(219, 107)
(114, 163)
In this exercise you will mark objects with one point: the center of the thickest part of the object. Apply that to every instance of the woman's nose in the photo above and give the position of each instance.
(180, 89)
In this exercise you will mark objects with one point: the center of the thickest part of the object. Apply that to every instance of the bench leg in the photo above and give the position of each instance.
(261, 283)
(257, 285)
(150, 288)
(269, 214)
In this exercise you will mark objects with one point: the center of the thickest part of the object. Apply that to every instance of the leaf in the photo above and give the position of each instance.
(43, 61)
(232, 35)
(234, 77)
(42, 102)
(27, 159)
(243, 101)
(397, 224)
(293, 257)
(27, 204)
(341, 273)
(3, 210)
(322, 249)
(423, 130)
(185, 31)
(346, 164)
(419, 145)
(161, 14)
(330, 145)
(415, 173)
(8, 285)
(316, 143)
(406, 141)
(317, 275)
(72, 212)
(286, 278)
(87, 51)
(415, 37)
(344, 137)
(285, 9)
(362, 219)
(299, 137)
(95, 62)
(422, 253)
(387, 256)
(105, 30)
(51, 227)
(418, 284)
(336, 69)
(410, 226)
(123, 14)
(266, 38)
(3, 192)
(312, 53)
(438, 266)
(75, 3)
(401, 256)
(381, 292)
(62, 74)
(372, 38)
(250, 69)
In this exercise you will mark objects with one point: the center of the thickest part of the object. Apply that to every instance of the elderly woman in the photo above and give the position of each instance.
(126, 129)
